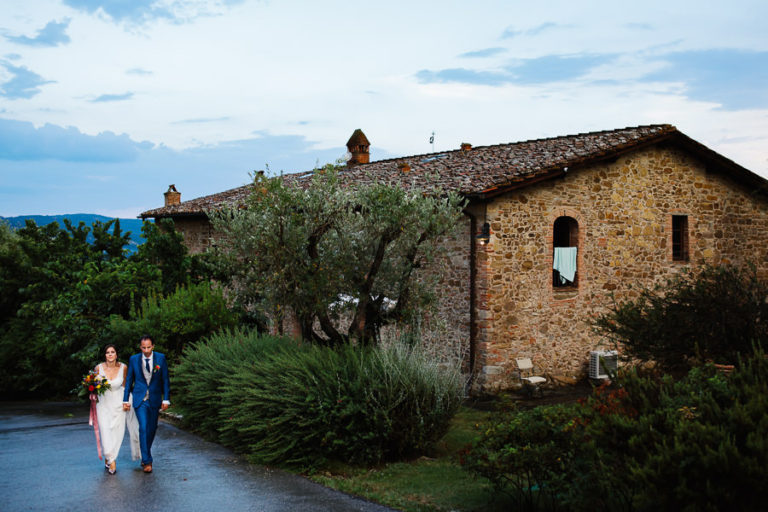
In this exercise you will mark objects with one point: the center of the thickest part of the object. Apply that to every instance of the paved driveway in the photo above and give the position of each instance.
(49, 463)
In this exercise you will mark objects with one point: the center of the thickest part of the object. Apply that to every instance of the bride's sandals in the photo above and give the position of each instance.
(112, 467)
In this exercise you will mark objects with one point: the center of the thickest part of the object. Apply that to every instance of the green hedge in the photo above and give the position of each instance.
(295, 404)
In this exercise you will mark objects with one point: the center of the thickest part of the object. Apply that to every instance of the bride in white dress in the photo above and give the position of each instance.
(109, 411)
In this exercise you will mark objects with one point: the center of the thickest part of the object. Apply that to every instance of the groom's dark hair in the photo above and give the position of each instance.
(146, 337)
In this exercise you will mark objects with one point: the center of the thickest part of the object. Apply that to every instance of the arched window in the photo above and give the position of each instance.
(565, 241)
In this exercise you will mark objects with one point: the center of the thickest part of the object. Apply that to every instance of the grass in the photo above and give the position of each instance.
(435, 483)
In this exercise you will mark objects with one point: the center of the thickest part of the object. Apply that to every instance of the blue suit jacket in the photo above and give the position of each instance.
(159, 385)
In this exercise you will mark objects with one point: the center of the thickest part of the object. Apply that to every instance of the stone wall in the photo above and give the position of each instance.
(197, 231)
(448, 329)
(624, 213)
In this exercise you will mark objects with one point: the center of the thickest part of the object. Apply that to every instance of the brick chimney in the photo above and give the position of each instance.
(358, 146)
(173, 196)
(466, 147)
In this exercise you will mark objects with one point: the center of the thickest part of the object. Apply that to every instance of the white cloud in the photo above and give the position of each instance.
(209, 73)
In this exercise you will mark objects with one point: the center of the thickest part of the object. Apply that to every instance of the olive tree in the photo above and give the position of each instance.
(341, 256)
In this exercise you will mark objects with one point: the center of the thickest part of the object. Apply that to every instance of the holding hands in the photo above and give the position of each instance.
(127, 405)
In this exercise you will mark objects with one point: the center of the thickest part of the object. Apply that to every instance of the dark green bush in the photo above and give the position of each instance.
(296, 404)
(529, 454)
(185, 316)
(708, 442)
(715, 314)
(208, 368)
(652, 444)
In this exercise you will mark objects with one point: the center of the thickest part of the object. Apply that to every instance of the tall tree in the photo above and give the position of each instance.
(341, 256)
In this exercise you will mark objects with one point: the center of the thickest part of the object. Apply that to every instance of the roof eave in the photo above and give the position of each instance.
(152, 214)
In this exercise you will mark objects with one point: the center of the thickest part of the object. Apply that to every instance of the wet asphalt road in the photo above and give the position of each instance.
(48, 462)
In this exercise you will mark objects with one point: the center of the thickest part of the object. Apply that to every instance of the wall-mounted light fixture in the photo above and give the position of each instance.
(485, 234)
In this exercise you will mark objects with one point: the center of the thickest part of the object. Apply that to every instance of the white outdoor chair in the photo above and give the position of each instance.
(530, 382)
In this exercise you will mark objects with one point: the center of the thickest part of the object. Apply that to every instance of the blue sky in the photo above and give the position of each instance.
(104, 103)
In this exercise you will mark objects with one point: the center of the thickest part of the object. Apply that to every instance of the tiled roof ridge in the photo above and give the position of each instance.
(485, 171)
(667, 128)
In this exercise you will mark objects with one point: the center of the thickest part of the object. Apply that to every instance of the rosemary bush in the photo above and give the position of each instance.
(296, 404)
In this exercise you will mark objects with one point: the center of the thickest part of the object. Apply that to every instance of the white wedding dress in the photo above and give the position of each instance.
(113, 419)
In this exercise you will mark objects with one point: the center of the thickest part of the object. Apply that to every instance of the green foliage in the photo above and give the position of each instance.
(58, 293)
(13, 263)
(715, 314)
(301, 405)
(180, 318)
(207, 369)
(709, 442)
(529, 454)
(436, 482)
(696, 444)
(330, 250)
(164, 248)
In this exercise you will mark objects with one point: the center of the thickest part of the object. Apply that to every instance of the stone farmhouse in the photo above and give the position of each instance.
(554, 228)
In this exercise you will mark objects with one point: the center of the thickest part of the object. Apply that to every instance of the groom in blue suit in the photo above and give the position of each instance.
(148, 381)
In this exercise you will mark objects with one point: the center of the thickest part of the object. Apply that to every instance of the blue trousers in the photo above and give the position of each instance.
(147, 417)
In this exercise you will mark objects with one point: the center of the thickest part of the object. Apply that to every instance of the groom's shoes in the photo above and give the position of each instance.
(147, 468)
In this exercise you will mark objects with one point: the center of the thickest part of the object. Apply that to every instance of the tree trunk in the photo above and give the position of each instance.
(359, 328)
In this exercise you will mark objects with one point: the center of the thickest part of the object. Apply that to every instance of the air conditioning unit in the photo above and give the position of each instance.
(601, 362)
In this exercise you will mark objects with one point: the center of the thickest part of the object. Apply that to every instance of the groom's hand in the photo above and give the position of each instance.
(165, 406)
(126, 406)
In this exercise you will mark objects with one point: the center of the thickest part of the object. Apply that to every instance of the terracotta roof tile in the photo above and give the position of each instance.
(479, 171)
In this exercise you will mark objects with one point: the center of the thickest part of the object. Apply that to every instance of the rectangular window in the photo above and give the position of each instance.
(680, 238)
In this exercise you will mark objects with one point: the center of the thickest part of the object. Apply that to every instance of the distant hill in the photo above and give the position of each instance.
(132, 225)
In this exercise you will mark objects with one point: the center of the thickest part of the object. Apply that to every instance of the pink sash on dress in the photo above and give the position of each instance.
(94, 420)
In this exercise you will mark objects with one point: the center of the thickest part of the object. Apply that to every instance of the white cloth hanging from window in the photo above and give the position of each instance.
(565, 263)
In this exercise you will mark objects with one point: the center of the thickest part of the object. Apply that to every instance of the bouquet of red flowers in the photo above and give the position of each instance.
(93, 384)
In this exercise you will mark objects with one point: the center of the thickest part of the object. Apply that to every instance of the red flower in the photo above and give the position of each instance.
(91, 388)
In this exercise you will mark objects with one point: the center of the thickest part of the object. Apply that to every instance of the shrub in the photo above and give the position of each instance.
(295, 404)
(529, 454)
(651, 444)
(707, 442)
(207, 369)
(185, 316)
(716, 314)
